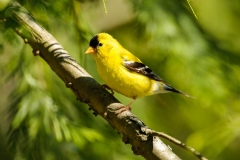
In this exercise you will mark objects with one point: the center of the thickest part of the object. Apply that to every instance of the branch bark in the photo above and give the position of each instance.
(86, 89)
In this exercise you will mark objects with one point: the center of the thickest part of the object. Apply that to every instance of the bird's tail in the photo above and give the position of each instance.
(171, 89)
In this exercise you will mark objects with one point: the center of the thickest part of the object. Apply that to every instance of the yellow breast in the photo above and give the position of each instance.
(120, 79)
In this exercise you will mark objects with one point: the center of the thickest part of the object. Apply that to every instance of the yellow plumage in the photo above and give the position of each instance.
(122, 71)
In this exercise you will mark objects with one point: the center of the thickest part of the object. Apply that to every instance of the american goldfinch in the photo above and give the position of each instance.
(123, 72)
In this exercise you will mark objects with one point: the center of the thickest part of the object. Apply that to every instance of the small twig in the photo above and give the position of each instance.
(104, 5)
(192, 9)
(177, 142)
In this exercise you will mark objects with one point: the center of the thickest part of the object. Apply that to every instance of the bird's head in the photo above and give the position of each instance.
(101, 43)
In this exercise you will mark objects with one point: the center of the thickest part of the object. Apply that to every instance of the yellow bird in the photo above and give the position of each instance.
(123, 72)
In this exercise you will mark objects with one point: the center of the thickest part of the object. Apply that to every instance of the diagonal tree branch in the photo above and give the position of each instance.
(144, 141)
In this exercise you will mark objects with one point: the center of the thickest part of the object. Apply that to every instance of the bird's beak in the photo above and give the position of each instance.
(90, 50)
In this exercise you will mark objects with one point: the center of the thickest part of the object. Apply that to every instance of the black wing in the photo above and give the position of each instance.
(141, 69)
(146, 71)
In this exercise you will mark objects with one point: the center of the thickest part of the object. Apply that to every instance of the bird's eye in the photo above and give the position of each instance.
(100, 44)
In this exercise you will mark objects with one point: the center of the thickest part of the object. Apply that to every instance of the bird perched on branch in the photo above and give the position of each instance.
(123, 72)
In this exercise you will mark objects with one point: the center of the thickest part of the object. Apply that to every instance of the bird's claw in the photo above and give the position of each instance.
(123, 109)
(107, 87)
(127, 107)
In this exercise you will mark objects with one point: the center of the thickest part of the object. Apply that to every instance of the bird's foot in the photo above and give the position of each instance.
(127, 107)
(123, 109)
(107, 87)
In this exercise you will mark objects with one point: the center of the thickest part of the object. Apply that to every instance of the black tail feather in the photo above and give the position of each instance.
(169, 88)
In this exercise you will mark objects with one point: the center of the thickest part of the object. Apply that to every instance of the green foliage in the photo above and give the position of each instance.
(199, 57)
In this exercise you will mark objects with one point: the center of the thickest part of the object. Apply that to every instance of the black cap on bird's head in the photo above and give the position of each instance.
(94, 41)
(92, 45)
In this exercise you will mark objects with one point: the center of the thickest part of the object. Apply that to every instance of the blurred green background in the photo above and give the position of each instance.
(41, 119)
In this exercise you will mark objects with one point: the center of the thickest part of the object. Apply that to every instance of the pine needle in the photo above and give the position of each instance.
(191, 9)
